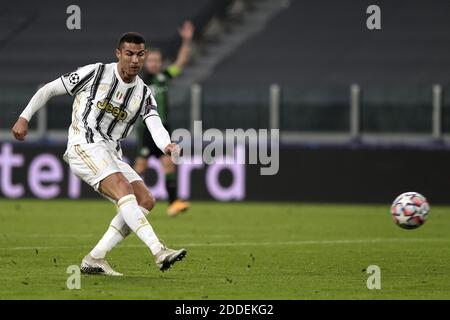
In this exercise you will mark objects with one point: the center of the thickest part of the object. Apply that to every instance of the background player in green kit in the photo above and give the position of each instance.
(158, 79)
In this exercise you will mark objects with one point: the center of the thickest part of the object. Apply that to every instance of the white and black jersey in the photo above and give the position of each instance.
(105, 107)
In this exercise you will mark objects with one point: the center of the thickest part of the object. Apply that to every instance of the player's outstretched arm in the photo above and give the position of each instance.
(160, 134)
(40, 99)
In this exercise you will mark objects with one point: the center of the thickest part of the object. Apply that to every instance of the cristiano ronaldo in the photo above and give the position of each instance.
(109, 98)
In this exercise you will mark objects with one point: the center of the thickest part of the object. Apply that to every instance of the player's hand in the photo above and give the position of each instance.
(172, 149)
(187, 31)
(20, 129)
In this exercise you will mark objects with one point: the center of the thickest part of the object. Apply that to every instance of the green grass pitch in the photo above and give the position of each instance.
(235, 251)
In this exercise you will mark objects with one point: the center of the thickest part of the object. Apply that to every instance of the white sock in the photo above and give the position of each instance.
(136, 221)
(117, 231)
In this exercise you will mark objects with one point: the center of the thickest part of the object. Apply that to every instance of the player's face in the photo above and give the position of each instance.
(131, 58)
(153, 62)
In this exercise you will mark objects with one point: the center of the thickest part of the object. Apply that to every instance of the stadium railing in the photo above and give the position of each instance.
(303, 116)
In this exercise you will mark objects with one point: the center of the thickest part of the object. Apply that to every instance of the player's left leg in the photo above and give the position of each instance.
(176, 205)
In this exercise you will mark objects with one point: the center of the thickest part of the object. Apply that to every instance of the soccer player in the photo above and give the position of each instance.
(158, 80)
(109, 98)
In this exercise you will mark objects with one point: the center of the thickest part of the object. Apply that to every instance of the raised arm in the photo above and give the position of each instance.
(186, 32)
(40, 99)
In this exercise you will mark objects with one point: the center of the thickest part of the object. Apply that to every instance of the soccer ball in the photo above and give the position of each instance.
(410, 210)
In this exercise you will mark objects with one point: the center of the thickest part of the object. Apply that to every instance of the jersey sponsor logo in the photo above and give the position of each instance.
(122, 107)
(110, 108)
(105, 102)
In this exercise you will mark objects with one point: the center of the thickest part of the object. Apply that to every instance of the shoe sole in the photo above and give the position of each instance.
(97, 271)
(167, 264)
(92, 270)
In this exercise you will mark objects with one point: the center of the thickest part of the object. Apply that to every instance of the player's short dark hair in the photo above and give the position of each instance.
(131, 37)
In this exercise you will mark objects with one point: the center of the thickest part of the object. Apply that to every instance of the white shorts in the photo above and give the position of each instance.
(93, 162)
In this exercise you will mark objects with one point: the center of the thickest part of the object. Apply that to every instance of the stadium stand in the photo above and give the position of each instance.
(316, 49)
(325, 43)
(40, 43)
(36, 46)
(313, 49)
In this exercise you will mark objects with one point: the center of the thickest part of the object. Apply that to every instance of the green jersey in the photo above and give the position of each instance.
(159, 84)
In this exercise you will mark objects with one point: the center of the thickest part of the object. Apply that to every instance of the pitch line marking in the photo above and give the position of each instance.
(244, 244)
(90, 235)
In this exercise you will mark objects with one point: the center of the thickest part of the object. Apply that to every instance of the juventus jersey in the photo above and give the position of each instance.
(105, 107)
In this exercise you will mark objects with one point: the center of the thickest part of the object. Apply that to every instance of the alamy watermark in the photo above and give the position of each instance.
(216, 146)
(74, 278)
(373, 22)
(374, 280)
(73, 21)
